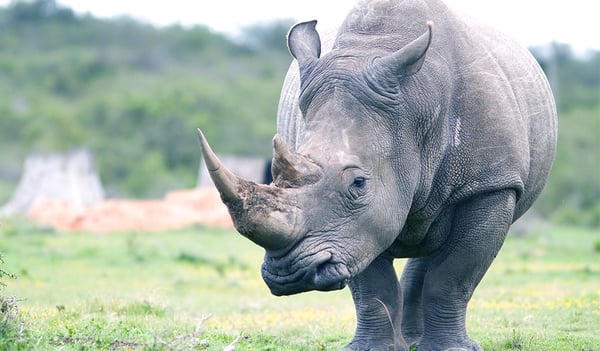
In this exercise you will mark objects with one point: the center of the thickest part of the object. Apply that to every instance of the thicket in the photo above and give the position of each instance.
(572, 195)
(134, 94)
(11, 327)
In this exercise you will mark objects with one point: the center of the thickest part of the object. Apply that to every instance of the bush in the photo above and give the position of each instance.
(589, 218)
(4, 274)
(12, 329)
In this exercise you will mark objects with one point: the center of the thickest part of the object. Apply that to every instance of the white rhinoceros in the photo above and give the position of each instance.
(419, 135)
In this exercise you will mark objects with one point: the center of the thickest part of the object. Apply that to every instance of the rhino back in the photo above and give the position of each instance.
(498, 116)
(502, 121)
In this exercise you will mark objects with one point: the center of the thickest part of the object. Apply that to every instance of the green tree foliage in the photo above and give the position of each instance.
(573, 191)
(135, 94)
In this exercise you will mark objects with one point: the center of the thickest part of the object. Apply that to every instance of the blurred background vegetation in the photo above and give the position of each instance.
(134, 95)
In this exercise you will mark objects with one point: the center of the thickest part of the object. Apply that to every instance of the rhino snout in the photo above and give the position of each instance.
(287, 276)
(265, 214)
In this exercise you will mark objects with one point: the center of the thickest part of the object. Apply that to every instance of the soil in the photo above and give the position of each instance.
(178, 209)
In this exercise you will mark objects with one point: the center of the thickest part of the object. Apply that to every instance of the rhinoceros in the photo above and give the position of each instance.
(415, 134)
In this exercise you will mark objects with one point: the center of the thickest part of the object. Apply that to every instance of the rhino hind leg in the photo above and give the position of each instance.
(378, 301)
(478, 230)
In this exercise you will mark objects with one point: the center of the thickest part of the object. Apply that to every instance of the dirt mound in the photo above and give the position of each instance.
(69, 176)
(178, 209)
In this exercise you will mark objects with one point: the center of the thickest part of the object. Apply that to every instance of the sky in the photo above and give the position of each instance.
(531, 22)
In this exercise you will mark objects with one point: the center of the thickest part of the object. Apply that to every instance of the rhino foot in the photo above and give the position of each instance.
(465, 345)
(367, 346)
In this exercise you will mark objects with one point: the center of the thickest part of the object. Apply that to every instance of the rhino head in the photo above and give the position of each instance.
(341, 198)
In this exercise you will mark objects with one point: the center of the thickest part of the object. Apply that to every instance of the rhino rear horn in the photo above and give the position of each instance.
(291, 169)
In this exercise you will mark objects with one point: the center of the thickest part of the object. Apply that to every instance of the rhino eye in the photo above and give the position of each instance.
(359, 182)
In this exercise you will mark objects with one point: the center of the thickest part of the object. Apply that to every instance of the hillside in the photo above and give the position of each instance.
(134, 95)
(127, 89)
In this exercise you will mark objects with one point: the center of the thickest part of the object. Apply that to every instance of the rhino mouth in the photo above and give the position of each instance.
(318, 271)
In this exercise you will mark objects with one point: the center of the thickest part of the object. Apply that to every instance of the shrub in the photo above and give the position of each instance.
(589, 218)
(12, 329)
(4, 274)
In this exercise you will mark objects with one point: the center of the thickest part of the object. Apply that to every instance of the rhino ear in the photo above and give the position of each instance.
(304, 42)
(404, 62)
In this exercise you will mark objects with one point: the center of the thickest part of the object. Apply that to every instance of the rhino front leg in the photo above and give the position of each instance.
(477, 233)
(378, 301)
(413, 276)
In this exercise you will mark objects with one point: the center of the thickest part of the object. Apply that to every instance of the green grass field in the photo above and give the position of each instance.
(201, 288)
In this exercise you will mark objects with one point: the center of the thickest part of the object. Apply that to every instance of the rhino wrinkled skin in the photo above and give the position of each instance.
(409, 133)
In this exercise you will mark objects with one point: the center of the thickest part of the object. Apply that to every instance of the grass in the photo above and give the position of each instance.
(200, 289)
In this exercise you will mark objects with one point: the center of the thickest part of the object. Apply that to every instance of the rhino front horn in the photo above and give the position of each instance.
(267, 215)
(226, 182)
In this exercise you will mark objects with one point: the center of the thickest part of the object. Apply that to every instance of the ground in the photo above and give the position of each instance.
(178, 209)
(200, 288)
